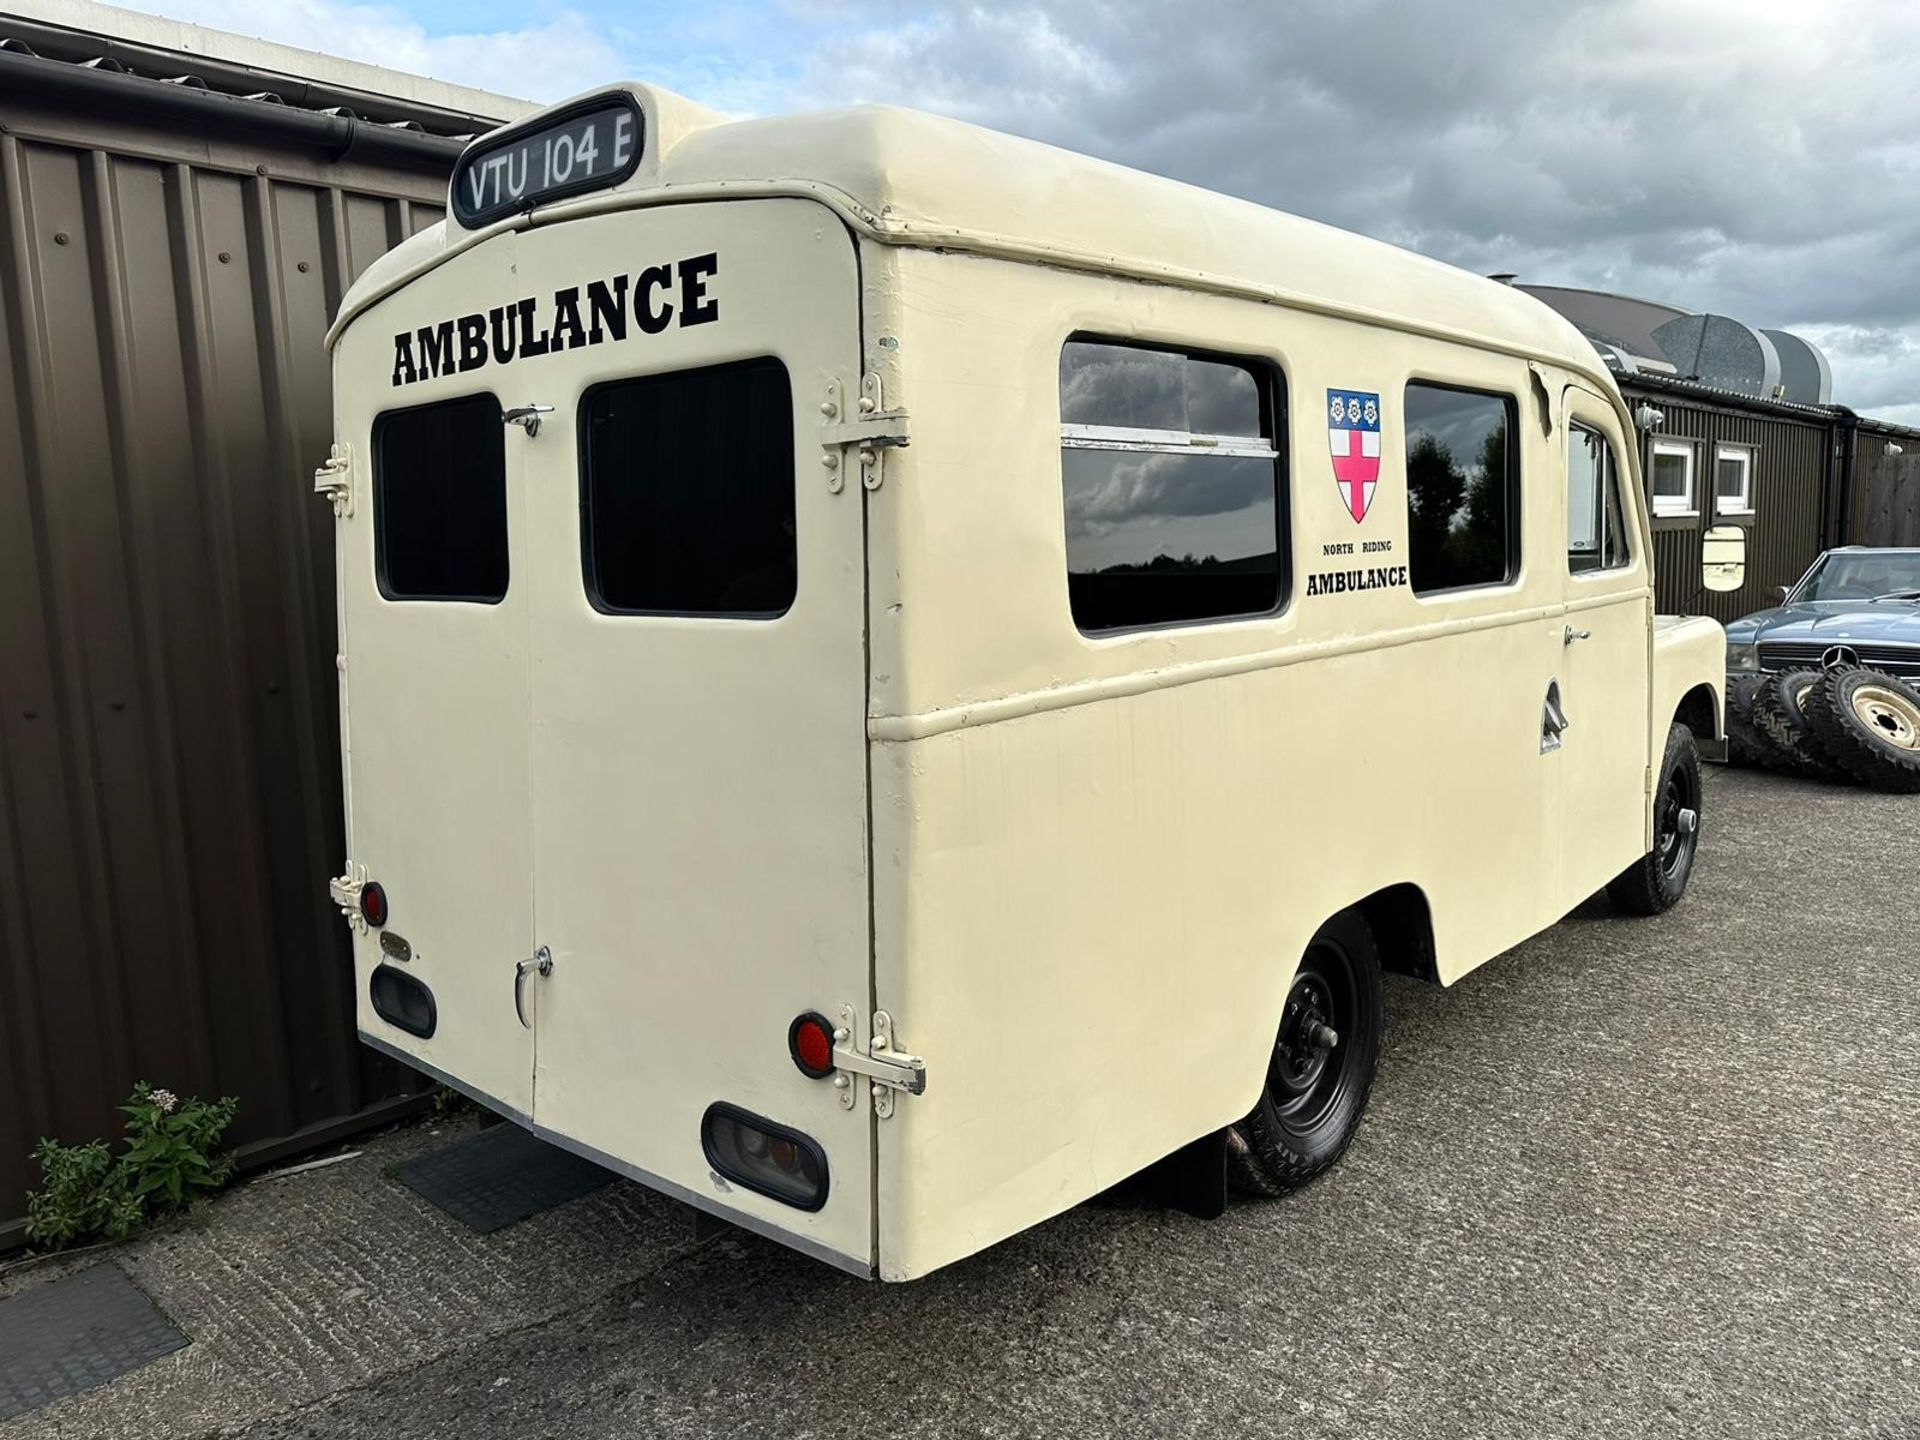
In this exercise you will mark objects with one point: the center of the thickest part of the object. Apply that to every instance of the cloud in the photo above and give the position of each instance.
(1754, 157)
(1757, 159)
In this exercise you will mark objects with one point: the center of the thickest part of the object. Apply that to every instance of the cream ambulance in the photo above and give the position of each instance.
(893, 677)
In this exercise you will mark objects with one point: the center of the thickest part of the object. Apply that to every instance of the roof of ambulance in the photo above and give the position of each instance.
(924, 179)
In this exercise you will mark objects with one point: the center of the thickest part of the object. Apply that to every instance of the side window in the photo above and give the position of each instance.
(440, 502)
(1733, 480)
(1171, 477)
(1463, 496)
(1596, 526)
(686, 492)
(1672, 478)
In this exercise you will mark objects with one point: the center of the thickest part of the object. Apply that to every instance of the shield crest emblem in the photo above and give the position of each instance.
(1353, 432)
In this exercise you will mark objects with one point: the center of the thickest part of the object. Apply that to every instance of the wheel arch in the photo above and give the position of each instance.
(1402, 922)
(1699, 710)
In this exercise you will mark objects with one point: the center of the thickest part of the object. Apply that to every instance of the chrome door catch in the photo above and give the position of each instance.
(539, 963)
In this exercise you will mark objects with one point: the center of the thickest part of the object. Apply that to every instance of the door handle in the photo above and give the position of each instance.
(1554, 721)
(1569, 635)
(540, 963)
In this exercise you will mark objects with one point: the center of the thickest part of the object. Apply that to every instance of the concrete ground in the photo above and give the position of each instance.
(1637, 1178)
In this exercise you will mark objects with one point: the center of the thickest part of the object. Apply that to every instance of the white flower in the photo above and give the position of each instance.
(165, 1099)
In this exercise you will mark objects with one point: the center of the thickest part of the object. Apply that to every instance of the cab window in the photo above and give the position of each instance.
(1463, 497)
(686, 493)
(440, 502)
(1596, 527)
(1171, 480)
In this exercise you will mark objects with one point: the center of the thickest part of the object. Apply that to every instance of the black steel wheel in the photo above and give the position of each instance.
(1321, 1069)
(1655, 882)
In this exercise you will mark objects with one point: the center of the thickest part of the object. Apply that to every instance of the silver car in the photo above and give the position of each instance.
(1854, 606)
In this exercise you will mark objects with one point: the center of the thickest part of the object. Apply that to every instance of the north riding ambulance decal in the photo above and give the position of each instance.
(1353, 430)
(1353, 435)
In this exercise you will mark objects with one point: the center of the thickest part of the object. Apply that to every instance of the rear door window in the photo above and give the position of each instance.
(687, 500)
(440, 502)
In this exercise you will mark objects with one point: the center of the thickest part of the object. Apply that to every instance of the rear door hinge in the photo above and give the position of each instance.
(870, 426)
(888, 1071)
(334, 479)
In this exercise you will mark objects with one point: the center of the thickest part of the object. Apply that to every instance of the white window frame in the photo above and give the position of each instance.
(1744, 454)
(1665, 505)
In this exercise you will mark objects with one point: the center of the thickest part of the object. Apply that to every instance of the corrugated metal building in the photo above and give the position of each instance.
(170, 256)
(1814, 477)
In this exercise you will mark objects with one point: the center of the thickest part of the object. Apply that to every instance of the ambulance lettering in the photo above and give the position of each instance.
(660, 296)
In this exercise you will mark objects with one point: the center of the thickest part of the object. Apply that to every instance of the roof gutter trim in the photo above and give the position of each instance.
(338, 136)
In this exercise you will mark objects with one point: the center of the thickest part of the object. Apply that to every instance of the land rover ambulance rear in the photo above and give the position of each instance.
(601, 668)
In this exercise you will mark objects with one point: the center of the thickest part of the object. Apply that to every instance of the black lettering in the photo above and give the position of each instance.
(651, 321)
(403, 371)
(1313, 584)
(501, 318)
(608, 307)
(695, 307)
(436, 349)
(567, 332)
(473, 341)
(530, 343)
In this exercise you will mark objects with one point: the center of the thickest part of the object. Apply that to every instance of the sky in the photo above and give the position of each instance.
(1753, 158)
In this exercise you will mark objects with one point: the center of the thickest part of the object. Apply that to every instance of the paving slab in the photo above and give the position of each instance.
(80, 1331)
(500, 1176)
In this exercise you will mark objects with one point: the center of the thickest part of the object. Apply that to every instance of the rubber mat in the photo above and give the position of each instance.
(500, 1176)
(74, 1333)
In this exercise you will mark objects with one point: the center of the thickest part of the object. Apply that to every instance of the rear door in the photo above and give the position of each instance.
(435, 590)
(698, 679)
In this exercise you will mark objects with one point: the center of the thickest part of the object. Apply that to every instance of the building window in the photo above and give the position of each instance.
(1672, 478)
(440, 502)
(1170, 472)
(1733, 480)
(687, 498)
(1463, 499)
(1596, 522)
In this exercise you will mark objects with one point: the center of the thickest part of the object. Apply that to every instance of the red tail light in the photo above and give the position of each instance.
(810, 1042)
(373, 903)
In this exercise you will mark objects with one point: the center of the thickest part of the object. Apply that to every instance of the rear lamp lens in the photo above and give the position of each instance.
(373, 903)
(765, 1156)
(810, 1042)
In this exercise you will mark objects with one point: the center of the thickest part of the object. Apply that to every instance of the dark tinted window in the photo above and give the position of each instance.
(1463, 509)
(687, 492)
(1170, 476)
(440, 502)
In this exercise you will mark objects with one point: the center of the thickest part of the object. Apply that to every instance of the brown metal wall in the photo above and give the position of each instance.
(1886, 497)
(1789, 480)
(169, 791)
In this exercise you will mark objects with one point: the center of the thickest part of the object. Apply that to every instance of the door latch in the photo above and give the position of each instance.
(1569, 635)
(344, 891)
(539, 963)
(527, 417)
(888, 1071)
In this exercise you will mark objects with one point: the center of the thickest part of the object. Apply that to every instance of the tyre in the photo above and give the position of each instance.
(1321, 1069)
(1744, 744)
(1655, 882)
(1779, 720)
(1868, 725)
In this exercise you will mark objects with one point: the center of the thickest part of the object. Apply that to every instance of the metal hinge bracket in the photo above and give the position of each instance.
(888, 1071)
(872, 427)
(334, 480)
(344, 891)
